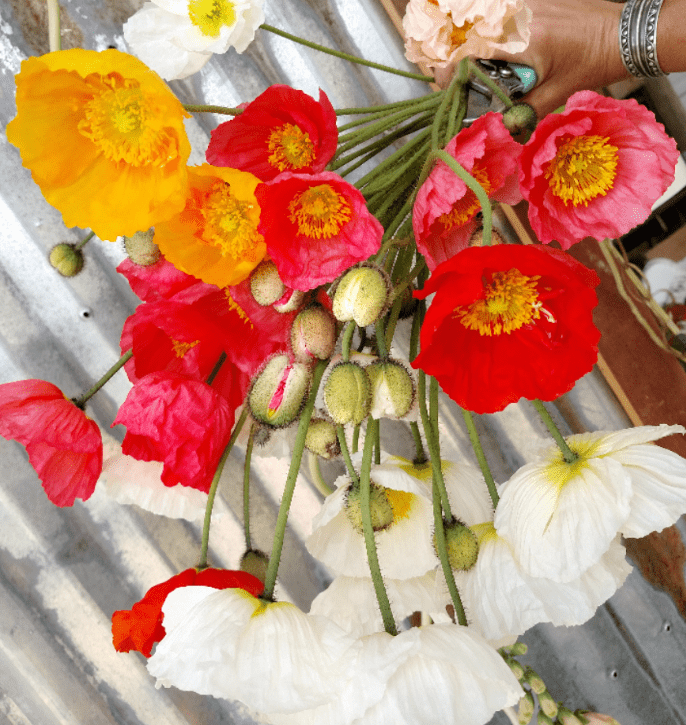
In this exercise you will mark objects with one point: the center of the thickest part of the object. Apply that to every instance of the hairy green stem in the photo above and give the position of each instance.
(316, 473)
(373, 110)
(458, 106)
(80, 245)
(488, 81)
(246, 485)
(81, 401)
(202, 562)
(340, 432)
(346, 339)
(567, 453)
(289, 488)
(420, 453)
(202, 108)
(480, 456)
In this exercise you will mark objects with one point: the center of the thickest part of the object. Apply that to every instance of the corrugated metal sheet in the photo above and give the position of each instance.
(64, 571)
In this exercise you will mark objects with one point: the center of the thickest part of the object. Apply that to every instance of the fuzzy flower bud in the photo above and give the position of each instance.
(255, 562)
(516, 649)
(66, 259)
(392, 389)
(594, 718)
(516, 667)
(462, 545)
(525, 710)
(361, 295)
(535, 682)
(543, 719)
(547, 704)
(379, 506)
(141, 248)
(289, 301)
(520, 117)
(279, 391)
(266, 285)
(347, 393)
(567, 717)
(313, 335)
(321, 438)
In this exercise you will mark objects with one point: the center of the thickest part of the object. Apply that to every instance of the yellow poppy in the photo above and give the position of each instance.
(104, 139)
(215, 237)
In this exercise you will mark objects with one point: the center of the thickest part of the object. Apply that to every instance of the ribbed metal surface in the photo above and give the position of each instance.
(64, 571)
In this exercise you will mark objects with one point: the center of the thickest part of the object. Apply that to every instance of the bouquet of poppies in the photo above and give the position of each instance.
(274, 280)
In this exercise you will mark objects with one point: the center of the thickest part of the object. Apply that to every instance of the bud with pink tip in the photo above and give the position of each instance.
(313, 335)
(278, 393)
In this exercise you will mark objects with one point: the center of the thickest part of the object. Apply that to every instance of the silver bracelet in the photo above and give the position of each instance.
(638, 37)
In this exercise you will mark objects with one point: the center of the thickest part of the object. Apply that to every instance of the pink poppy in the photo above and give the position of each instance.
(156, 281)
(444, 215)
(183, 423)
(63, 443)
(315, 227)
(595, 170)
(283, 129)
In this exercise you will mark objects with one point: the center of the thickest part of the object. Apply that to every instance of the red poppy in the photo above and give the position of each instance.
(141, 627)
(508, 322)
(161, 280)
(183, 423)
(283, 129)
(596, 169)
(315, 227)
(64, 445)
(444, 214)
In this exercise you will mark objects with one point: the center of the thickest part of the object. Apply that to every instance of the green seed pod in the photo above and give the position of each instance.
(392, 388)
(347, 393)
(266, 285)
(543, 719)
(278, 393)
(526, 708)
(321, 438)
(141, 248)
(379, 506)
(313, 334)
(516, 667)
(255, 562)
(567, 717)
(547, 704)
(361, 295)
(520, 117)
(534, 681)
(66, 259)
(463, 548)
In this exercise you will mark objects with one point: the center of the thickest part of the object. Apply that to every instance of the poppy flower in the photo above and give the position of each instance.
(508, 322)
(215, 237)
(315, 226)
(156, 281)
(120, 163)
(283, 129)
(63, 443)
(444, 215)
(441, 32)
(596, 169)
(182, 422)
(142, 626)
(177, 37)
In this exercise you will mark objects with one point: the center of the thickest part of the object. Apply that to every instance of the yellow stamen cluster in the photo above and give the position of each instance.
(181, 348)
(290, 148)
(583, 168)
(466, 207)
(116, 120)
(401, 503)
(458, 35)
(559, 472)
(231, 224)
(233, 305)
(320, 212)
(510, 301)
(209, 16)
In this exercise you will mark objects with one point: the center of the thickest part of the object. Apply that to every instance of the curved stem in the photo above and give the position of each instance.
(202, 108)
(567, 452)
(345, 56)
(340, 432)
(81, 401)
(370, 543)
(346, 340)
(420, 453)
(316, 473)
(289, 488)
(458, 107)
(202, 562)
(480, 456)
(246, 486)
(475, 186)
(488, 81)
(80, 245)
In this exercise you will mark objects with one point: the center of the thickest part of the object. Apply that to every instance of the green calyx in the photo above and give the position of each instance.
(379, 506)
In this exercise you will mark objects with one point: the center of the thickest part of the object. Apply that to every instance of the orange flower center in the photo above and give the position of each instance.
(209, 16)
(583, 168)
(290, 147)
(466, 207)
(115, 119)
(231, 224)
(510, 301)
(320, 212)
(181, 348)
(401, 503)
(458, 36)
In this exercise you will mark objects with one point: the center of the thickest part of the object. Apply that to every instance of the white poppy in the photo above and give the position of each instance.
(561, 518)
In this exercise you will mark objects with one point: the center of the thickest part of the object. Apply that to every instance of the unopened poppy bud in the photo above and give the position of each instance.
(516, 649)
(409, 303)
(361, 295)
(379, 506)
(516, 667)
(255, 562)
(289, 301)
(392, 389)
(477, 238)
(567, 717)
(520, 117)
(141, 248)
(313, 335)
(547, 704)
(595, 718)
(347, 393)
(525, 710)
(321, 438)
(462, 545)
(543, 719)
(279, 391)
(535, 682)
(266, 285)
(66, 259)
